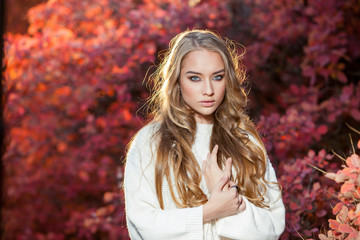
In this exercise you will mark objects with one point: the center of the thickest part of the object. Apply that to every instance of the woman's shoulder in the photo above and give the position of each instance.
(146, 134)
(255, 139)
(142, 148)
(149, 129)
(250, 136)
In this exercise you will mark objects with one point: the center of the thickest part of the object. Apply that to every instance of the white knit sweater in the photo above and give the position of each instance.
(146, 220)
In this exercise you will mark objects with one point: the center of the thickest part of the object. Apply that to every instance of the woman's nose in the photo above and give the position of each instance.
(208, 88)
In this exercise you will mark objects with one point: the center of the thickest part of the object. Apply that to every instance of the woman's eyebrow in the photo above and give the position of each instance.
(220, 71)
(197, 73)
(192, 72)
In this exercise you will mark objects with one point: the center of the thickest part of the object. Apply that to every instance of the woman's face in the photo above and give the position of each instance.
(202, 83)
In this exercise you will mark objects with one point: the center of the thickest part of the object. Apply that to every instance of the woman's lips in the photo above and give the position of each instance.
(207, 103)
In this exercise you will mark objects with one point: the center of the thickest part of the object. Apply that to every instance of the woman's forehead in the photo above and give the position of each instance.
(202, 58)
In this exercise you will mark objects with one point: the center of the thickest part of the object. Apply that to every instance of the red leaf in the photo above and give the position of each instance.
(316, 186)
(347, 187)
(108, 197)
(353, 161)
(342, 77)
(322, 129)
(333, 224)
(340, 177)
(323, 237)
(355, 114)
(357, 193)
(294, 206)
(343, 214)
(311, 153)
(345, 228)
(337, 208)
(320, 213)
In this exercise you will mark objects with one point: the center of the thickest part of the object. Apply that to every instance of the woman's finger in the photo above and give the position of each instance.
(242, 205)
(208, 159)
(214, 152)
(221, 183)
(228, 166)
(236, 188)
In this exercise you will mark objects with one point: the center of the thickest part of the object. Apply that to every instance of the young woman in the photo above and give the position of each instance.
(199, 169)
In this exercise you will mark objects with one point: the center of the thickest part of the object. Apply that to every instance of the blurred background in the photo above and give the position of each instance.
(75, 74)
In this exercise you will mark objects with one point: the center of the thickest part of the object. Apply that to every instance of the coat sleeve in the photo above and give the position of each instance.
(255, 222)
(145, 219)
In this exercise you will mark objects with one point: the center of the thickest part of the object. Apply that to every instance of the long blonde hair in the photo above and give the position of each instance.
(231, 125)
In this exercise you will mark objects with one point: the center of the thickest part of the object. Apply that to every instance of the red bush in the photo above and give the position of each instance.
(73, 89)
(74, 84)
(346, 225)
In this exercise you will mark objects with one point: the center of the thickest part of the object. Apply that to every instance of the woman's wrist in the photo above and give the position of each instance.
(208, 213)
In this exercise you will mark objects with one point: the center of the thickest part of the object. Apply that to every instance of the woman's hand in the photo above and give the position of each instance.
(223, 203)
(211, 170)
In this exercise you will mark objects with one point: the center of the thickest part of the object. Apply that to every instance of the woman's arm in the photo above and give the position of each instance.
(255, 222)
(250, 222)
(223, 202)
(145, 218)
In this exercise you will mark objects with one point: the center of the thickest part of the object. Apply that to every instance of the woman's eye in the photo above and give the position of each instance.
(194, 78)
(218, 77)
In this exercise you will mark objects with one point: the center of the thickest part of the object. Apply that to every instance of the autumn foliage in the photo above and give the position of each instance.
(75, 88)
(346, 225)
